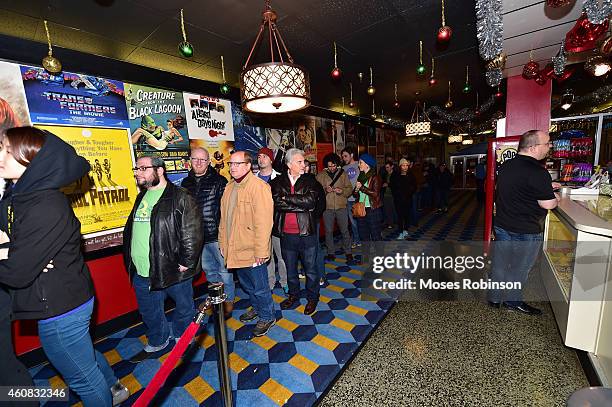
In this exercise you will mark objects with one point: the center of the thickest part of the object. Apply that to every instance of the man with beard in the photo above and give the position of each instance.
(162, 246)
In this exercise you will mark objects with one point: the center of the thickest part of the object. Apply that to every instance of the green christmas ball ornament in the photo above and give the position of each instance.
(225, 88)
(421, 69)
(185, 49)
(467, 88)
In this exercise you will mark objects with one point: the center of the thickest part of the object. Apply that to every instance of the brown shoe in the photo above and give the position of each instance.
(310, 307)
(228, 308)
(290, 302)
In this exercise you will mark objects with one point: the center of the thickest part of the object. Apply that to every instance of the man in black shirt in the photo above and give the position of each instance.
(525, 193)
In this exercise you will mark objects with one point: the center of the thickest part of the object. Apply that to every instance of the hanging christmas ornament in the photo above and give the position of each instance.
(477, 110)
(489, 28)
(371, 89)
(343, 112)
(557, 3)
(432, 79)
(466, 86)
(336, 73)
(531, 68)
(351, 102)
(373, 115)
(449, 102)
(498, 94)
(567, 73)
(540, 80)
(185, 48)
(360, 76)
(444, 32)
(584, 35)
(494, 70)
(396, 103)
(596, 14)
(606, 46)
(559, 60)
(225, 87)
(50, 63)
(421, 68)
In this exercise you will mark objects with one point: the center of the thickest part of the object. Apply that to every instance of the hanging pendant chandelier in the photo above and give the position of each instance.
(276, 86)
(417, 127)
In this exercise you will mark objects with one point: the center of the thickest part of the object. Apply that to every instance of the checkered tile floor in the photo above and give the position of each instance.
(301, 355)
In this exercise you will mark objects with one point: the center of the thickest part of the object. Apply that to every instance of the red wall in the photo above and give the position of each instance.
(527, 106)
(114, 297)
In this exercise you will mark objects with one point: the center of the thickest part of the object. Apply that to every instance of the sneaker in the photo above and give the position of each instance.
(263, 327)
(402, 235)
(286, 289)
(354, 246)
(301, 276)
(249, 315)
(120, 393)
(322, 281)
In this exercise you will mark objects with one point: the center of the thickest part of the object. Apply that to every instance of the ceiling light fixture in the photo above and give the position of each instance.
(467, 141)
(417, 127)
(567, 99)
(454, 138)
(597, 65)
(273, 87)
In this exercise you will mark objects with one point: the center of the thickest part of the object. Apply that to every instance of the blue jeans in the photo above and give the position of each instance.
(213, 265)
(354, 228)
(254, 281)
(151, 308)
(370, 226)
(295, 247)
(514, 255)
(67, 344)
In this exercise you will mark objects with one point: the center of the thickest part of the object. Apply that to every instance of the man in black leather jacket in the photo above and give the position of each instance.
(298, 201)
(207, 186)
(162, 245)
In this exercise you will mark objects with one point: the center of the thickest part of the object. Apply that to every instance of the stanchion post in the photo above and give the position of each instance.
(217, 297)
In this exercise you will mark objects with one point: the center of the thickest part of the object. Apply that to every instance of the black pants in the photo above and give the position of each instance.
(12, 371)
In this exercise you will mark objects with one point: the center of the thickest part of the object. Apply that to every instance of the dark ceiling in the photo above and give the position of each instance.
(383, 34)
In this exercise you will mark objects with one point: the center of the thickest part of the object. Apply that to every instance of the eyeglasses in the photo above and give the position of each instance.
(142, 168)
(199, 160)
(236, 163)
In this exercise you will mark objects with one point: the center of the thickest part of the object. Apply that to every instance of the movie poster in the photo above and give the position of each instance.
(351, 133)
(306, 138)
(322, 150)
(208, 118)
(73, 99)
(103, 199)
(157, 125)
(247, 137)
(219, 152)
(338, 136)
(13, 106)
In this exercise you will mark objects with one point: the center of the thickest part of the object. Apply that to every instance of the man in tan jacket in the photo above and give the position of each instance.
(244, 237)
(338, 188)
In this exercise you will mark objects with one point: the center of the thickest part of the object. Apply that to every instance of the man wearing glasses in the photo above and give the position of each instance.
(162, 245)
(525, 193)
(206, 185)
(244, 237)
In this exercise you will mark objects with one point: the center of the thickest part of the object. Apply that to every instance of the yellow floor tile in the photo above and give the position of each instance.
(131, 383)
(325, 342)
(356, 310)
(207, 342)
(305, 365)
(339, 323)
(277, 298)
(237, 364)
(346, 280)
(264, 342)
(324, 299)
(234, 324)
(56, 382)
(287, 325)
(335, 288)
(112, 356)
(199, 389)
(276, 391)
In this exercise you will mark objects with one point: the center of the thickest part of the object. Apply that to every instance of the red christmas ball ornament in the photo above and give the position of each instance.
(444, 34)
(557, 3)
(477, 113)
(499, 95)
(432, 81)
(584, 35)
(352, 104)
(336, 73)
(567, 73)
(548, 72)
(396, 104)
(531, 70)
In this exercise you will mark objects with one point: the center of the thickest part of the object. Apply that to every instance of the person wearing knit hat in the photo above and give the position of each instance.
(367, 192)
(267, 151)
(404, 161)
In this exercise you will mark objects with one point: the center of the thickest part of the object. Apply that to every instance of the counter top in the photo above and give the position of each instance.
(591, 214)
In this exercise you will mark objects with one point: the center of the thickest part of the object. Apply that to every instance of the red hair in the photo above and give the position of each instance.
(8, 118)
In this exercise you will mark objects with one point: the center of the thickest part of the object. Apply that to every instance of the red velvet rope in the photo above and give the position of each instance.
(168, 366)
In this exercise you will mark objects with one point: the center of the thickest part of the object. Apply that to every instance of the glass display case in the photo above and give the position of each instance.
(577, 275)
